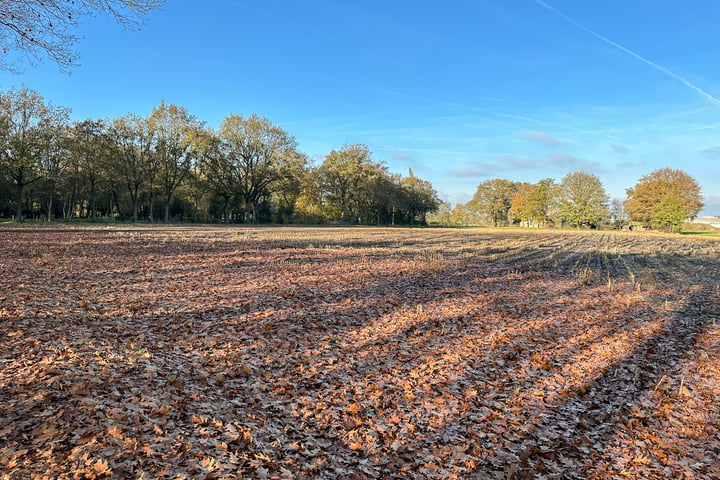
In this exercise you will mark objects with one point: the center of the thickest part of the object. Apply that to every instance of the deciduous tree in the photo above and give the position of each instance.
(420, 198)
(341, 176)
(89, 149)
(618, 215)
(664, 198)
(254, 149)
(538, 203)
(214, 170)
(519, 203)
(492, 200)
(580, 200)
(28, 134)
(132, 162)
(293, 172)
(174, 130)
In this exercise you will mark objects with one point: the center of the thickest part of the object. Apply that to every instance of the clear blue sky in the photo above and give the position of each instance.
(460, 91)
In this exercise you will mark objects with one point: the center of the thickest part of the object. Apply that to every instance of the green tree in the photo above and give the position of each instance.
(420, 198)
(28, 135)
(31, 29)
(309, 204)
(88, 150)
(537, 207)
(134, 162)
(174, 131)
(342, 175)
(254, 149)
(580, 200)
(292, 173)
(463, 215)
(493, 199)
(53, 166)
(664, 198)
(214, 171)
(388, 198)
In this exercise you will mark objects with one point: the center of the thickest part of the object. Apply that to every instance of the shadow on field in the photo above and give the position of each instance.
(575, 432)
(393, 375)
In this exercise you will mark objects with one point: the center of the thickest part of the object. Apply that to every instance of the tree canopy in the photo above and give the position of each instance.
(493, 199)
(580, 200)
(254, 149)
(29, 132)
(531, 203)
(170, 166)
(664, 198)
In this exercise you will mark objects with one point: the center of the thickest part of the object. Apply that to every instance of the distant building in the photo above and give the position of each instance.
(712, 221)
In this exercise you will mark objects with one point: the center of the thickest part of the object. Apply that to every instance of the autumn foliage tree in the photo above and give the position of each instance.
(664, 198)
(420, 198)
(531, 203)
(88, 148)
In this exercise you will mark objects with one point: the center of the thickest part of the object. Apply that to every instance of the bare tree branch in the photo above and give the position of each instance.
(31, 30)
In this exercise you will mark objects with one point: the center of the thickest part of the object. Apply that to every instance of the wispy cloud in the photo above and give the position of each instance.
(562, 161)
(656, 66)
(543, 138)
(519, 163)
(567, 161)
(546, 123)
(403, 157)
(630, 165)
(713, 152)
(474, 172)
(448, 154)
(620, 149)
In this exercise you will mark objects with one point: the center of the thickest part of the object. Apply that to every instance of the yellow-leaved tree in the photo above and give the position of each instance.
(664, 199)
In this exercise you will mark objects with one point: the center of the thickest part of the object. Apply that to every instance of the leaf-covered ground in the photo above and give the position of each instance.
(357, 353)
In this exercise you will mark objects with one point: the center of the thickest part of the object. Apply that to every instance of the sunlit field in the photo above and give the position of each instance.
(140, 353)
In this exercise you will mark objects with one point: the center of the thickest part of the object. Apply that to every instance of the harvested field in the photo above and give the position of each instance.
(358, 353)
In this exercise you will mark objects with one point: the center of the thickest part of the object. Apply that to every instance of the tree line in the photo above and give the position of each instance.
(170, 166)
(663, 199)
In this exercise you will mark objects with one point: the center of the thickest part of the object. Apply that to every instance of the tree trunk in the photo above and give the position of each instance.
(50, 209)
(135, 210)
(93, 208)
(225, 210)
(18, 205)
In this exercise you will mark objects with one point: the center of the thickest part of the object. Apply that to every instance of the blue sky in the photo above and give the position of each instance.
(460, 91)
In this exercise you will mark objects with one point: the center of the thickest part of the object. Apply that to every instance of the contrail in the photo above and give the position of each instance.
(664, 70)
